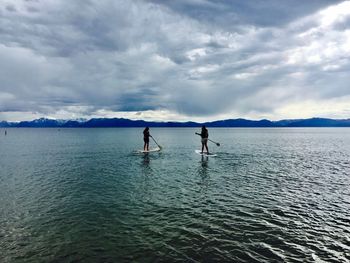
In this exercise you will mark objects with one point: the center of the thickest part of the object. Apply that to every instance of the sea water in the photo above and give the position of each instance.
(84, 195)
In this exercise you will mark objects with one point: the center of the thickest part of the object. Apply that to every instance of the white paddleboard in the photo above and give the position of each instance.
(150, 150)
(204, 153)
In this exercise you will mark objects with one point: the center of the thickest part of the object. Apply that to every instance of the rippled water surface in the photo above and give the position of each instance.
(83, 195)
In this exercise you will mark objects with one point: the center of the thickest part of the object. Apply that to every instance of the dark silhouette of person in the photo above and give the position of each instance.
(204, 135)
(146, 136)
(5, 132)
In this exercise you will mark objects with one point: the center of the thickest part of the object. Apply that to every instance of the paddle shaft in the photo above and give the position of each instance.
(218, 144)
(155, 142)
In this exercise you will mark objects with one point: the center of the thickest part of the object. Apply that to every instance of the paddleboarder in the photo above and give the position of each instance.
(204, 135)
(146, 136)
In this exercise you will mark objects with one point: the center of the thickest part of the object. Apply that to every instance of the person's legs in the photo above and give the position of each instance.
(206, 146)
(146, 145)
(202, 147)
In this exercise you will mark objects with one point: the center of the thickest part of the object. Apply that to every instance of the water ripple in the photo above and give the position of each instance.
(83, 195)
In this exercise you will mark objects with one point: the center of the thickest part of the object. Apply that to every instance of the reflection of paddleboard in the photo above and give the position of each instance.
(204, 153)
(150, 151)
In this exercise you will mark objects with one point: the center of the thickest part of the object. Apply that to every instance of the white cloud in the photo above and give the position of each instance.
(332, 108)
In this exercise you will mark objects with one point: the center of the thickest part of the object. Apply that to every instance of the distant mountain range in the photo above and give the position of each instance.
(120, 122)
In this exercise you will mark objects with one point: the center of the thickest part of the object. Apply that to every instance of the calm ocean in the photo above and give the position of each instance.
(84, 195)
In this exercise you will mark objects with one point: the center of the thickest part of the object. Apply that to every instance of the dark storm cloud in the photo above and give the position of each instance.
(195, 57)
(10, 8)
(228, 14)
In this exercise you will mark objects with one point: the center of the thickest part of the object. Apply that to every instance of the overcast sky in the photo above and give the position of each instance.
(174, 60)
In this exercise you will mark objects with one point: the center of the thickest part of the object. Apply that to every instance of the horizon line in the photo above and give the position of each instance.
(172, 121)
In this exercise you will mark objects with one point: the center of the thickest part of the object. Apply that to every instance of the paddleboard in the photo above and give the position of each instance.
(150, 150)
(204, 153)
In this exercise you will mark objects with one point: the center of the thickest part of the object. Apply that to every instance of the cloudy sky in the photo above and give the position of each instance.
(174, 60)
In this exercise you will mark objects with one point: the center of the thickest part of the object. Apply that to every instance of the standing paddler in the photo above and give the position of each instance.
(204, 135)
(146, 136)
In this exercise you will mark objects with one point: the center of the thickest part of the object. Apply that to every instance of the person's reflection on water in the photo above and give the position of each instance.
(145, 159)
(204, 173)
(203, 169)
(145, 165)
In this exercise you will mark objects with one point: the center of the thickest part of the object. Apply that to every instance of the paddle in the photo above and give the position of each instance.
(160, 147)
(217, 144)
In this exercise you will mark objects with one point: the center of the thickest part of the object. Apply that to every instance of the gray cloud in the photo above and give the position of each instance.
(196, 58)
(230, 14)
